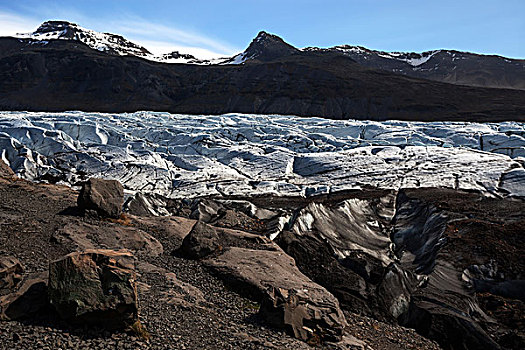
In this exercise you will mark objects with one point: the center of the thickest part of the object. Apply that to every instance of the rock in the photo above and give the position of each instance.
(348, 342)
(86, 236)
(105, 197)
(288, 298)
(28, 300)
(205, 239)
(175, 291)
(10, 272)
(95, 287)
(143, 205)
(200, 242)
(171, 226)
(304, 312)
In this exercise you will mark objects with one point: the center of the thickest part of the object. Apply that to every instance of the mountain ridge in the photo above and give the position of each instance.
(273, 78)
(450, 66)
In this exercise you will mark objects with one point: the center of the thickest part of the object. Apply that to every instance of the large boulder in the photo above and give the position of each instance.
(205, 239)
(103, 197)
(86, 236)
(95, 287)
(288, 298)
(10, 272)
(200, 242)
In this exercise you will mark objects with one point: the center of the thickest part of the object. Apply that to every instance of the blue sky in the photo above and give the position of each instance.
(210, 28)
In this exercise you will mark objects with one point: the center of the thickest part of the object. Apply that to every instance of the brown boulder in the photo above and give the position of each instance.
(29, 299)
(200, 242)
(95, 287)
(10, 272)
(288, 298)
(86, 236)
(103, 197)
(205, 239)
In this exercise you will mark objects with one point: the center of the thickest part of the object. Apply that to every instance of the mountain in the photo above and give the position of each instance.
(265, 47)
(112, 44)
(448, 66)
(463, 68)
(105, 42)
(106, 73)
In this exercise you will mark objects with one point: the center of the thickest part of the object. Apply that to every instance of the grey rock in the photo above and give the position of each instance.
(201, 241)
(105, 197)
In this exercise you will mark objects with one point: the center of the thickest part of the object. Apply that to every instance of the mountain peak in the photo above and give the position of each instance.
(50, 26)
(264, 47)
(106, 42)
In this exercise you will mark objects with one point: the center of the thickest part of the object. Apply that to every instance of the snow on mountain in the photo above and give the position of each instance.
(451, 66)
(412, 58)
(105, 42)
(183, 156)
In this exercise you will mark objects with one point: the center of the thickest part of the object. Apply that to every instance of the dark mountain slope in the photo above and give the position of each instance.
(448, 66)
(68, 75)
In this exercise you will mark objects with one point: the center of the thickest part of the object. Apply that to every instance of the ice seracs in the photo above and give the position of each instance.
(188, 156)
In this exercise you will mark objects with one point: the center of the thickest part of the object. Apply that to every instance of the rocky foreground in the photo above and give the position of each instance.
(379, 269)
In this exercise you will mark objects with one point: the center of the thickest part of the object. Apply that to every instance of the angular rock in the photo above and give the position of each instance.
(171, 226)
(105, 197)
(86, 236)
(95, 287)
(205, 239)
(200, 242)
(307, 314)
(30, 298)
(288, 298)
(10, 272)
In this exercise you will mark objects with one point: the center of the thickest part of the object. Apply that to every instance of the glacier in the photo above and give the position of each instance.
(189, 156)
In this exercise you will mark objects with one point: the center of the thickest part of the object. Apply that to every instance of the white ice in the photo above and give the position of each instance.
(188, 156)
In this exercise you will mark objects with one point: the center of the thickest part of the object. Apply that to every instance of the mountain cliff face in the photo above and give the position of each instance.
(111, 74)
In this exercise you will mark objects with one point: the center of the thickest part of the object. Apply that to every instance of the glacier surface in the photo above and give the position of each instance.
(186, 156)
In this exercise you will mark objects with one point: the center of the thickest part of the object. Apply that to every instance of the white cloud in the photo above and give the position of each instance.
(141, 29)
(161, 47)
(157, 38)
(11, 24)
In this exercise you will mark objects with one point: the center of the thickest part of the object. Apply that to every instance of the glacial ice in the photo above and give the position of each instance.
(181, 156)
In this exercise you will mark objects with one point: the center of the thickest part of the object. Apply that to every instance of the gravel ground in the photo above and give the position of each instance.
(183, 306)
